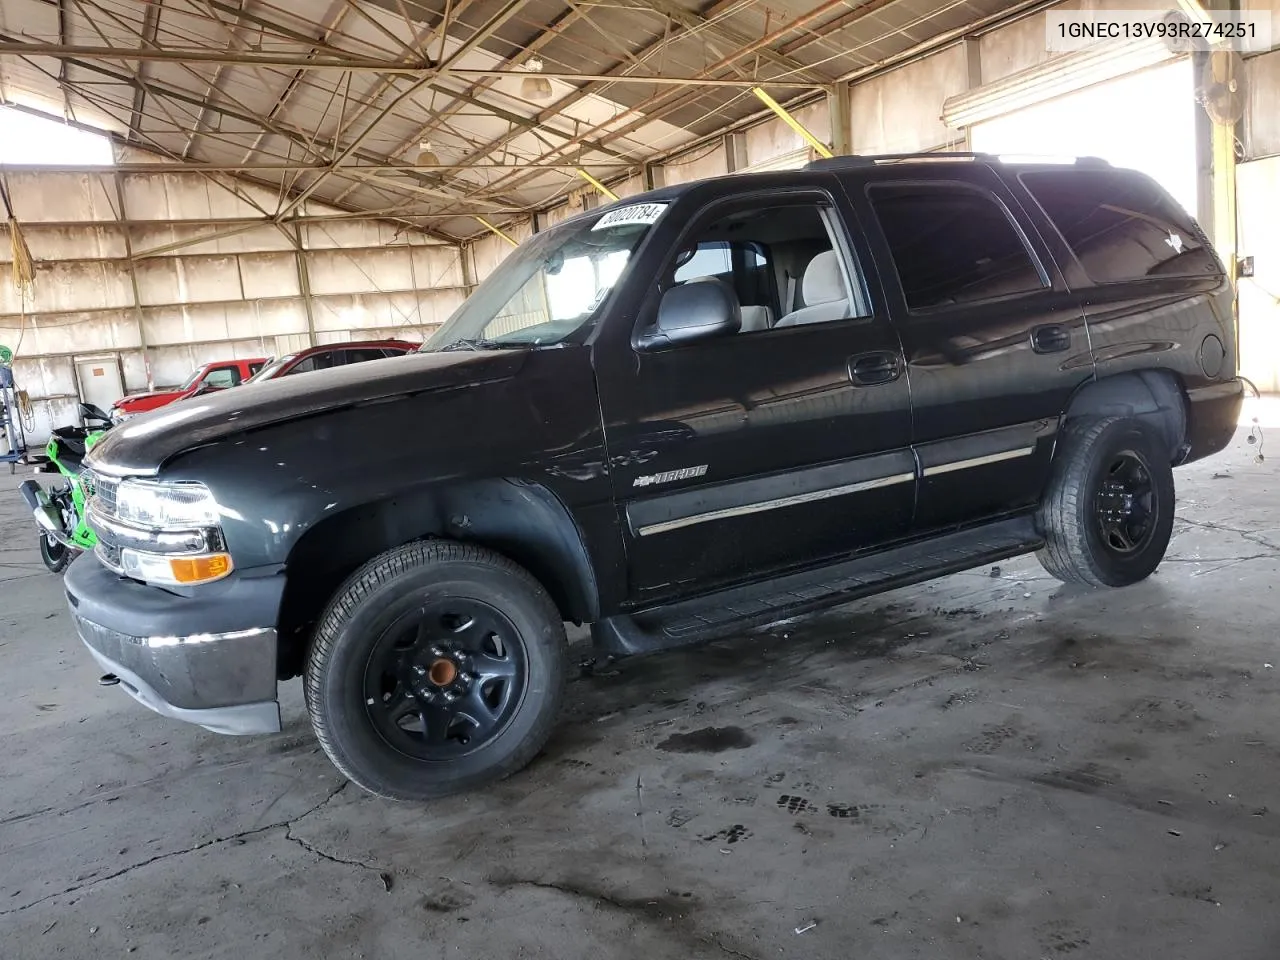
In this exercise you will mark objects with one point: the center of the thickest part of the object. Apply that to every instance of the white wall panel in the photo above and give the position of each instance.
(899, 112)
(206, 299)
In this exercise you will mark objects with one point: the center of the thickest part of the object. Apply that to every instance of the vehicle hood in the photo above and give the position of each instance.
(141, 445)
(147, 400)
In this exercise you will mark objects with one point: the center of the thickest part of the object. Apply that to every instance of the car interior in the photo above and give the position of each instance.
(778, 262)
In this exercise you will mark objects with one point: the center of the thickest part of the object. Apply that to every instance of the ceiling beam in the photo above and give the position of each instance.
(824, 31)
(654, 108)
(485, 31)
(286, 131)
(427, 72)
(285, 167)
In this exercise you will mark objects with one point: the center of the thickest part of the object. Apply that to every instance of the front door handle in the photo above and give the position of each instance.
(869, 369)
(1050, 338)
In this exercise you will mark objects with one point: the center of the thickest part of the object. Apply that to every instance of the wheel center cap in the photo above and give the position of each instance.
(442, 672)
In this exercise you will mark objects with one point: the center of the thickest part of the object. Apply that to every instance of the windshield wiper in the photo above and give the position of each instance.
(473, 343)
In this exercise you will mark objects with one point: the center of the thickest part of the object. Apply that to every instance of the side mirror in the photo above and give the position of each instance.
(697, 310)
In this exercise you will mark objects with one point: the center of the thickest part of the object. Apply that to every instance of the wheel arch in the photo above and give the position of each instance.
(1156, 397)
(523, 521)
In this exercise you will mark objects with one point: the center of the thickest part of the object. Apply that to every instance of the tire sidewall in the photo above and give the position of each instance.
(55, 556)
(1111, 567)
(371, 760)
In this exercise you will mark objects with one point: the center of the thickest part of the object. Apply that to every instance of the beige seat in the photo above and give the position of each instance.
(756, 318)
(824, 293)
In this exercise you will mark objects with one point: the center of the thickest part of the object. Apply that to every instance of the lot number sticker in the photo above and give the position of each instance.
(645, 213)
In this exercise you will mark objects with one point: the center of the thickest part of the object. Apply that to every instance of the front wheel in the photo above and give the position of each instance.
(438, 667)
(1108, 513)
(55, 555)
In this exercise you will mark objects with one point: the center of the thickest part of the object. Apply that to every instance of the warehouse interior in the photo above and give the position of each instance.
(987, 765)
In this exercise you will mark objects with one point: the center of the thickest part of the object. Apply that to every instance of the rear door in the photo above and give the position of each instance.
(754, 451)
(995, 341)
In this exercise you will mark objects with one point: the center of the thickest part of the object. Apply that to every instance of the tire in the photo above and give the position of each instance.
(1094, 535)
(421, 648)
(55, 555)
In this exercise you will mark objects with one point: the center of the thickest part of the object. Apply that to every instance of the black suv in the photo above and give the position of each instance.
(686, 414)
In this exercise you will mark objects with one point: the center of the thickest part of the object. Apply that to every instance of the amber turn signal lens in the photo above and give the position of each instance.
(212, 566)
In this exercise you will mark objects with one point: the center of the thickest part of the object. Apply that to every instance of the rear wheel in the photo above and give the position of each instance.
(55, 555)
(1108, 513)
(437, 668)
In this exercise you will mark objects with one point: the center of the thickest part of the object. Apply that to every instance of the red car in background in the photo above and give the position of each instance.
(212, 376)
(333, 355)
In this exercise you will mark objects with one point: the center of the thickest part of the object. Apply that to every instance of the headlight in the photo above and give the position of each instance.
(174, 570)
(165, 506)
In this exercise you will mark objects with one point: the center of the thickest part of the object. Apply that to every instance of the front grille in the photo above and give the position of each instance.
(104, 490)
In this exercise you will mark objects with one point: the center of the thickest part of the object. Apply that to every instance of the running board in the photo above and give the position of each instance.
(741, 608)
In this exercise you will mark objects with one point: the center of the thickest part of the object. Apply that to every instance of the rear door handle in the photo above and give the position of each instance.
(869, 369)
(1050, 338)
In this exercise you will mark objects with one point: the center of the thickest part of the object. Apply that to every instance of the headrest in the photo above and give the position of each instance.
(823, 281)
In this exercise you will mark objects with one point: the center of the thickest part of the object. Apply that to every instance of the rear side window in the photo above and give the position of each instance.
(317, 361)
(952, 244)
(1121, 225)
(363, 354)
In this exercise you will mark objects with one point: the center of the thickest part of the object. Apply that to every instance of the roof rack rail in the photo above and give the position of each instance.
(854, 161)
(868, 160)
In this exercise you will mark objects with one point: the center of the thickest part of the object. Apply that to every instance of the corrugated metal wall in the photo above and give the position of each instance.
(236, 294)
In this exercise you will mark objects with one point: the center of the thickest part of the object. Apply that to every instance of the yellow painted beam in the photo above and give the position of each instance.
(597, 184)
(792, 122)
(489, 226)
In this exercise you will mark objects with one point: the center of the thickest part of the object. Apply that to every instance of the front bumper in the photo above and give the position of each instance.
(209, 659)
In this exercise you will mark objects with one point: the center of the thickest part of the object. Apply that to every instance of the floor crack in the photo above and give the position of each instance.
(1249, 535)
(241, 835)
(715, 942)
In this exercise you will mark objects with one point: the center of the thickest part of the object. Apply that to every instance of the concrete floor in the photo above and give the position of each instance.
(989, 766)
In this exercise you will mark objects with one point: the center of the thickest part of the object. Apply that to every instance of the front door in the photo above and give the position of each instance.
(995, 341)
(777, 446)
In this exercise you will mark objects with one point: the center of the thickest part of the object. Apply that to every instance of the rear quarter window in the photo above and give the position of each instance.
(1121, 225)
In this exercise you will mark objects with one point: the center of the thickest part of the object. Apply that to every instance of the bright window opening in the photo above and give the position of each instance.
(28, 139)
(1146, 121)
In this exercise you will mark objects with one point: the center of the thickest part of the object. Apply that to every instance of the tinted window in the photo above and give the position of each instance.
(363, 354)
(952, 244)
(222, 377)
(1121, 225)
(317, 361)
(255, 367)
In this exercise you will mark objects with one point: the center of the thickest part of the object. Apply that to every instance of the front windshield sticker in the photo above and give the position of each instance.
(645, 213)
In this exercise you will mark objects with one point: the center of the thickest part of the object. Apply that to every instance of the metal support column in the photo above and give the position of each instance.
(133, 278)
(304, 283)
(840, 110)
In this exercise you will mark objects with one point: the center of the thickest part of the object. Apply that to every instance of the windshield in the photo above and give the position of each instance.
(271, 369)
(551, 286)
(190, 382)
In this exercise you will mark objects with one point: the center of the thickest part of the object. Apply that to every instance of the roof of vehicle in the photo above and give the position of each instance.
(355, 345)
(826, 165)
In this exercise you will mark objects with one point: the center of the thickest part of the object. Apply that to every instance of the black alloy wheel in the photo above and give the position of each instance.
(1127, 503)
(444, 680)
